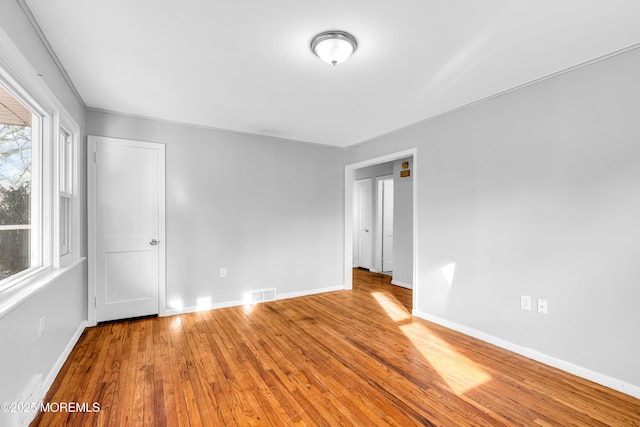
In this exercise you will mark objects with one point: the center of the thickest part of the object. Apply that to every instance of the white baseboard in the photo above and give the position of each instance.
(569, 367)
(50, 378)
(310, 292)
(401, 284)
(192, 309)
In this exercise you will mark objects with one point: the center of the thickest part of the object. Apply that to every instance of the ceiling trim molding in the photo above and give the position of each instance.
(584, 64)
(211, 128)
(49, 48)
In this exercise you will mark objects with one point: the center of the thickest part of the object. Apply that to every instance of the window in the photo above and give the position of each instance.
(19, 231)
(65, 183)
(39, 210)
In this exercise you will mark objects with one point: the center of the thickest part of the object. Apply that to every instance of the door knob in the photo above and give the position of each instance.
(153, 242)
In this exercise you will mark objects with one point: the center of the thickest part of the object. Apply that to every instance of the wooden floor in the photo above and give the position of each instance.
(340, 358)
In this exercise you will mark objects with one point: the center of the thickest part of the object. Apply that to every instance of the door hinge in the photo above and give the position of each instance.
(95, 155)
(95, 301)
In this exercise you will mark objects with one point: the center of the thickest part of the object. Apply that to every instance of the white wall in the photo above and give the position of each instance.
(536, 192)
(267, 209)
(403, 225)
(62, 301)
(24, 356)
(14, 22)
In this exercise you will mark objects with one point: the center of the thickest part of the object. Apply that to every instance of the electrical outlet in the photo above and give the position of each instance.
(41, 327)
(543, 306)
(223, 272)
(525, 302)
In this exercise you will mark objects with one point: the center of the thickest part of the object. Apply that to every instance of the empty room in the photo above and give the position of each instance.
(341, 213)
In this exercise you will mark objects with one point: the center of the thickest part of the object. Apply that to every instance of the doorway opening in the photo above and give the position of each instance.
(393, 244)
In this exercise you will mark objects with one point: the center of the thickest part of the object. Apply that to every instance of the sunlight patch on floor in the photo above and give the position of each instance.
(176, 322)
(396, 311)
(459, 372)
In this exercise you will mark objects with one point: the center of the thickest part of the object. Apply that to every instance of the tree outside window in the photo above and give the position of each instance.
(15, 186)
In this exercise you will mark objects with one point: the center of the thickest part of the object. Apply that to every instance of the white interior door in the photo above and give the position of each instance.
(129, 228)
(363, 217)
(387, 225)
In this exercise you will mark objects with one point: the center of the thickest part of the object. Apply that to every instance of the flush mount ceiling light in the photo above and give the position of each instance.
(334, 47)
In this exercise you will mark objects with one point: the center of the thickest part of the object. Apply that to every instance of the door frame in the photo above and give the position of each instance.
(349, 185)
(92, 142)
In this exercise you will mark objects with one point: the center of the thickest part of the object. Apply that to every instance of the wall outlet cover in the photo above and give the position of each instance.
(543, 306)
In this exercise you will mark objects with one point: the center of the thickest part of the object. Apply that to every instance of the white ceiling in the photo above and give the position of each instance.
(246, 66)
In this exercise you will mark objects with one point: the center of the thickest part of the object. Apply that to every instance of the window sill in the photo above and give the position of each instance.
(18, 294)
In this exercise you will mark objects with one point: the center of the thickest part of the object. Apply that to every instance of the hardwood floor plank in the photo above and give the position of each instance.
(127, 413)
(106, 379)
(111, 376)
(279, 387)
(229, 376)
(162, 399)
(180, 358)
(264, 356)
(166, 390)
(195, 371)
(113, 369)
(351, 358)
(307, 379)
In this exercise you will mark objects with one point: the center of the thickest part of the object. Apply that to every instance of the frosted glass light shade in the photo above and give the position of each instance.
(334, 47)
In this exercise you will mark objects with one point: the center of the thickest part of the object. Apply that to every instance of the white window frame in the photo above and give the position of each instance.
(65, 192)
(40, 199)
(19, 78)
(66, 187)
